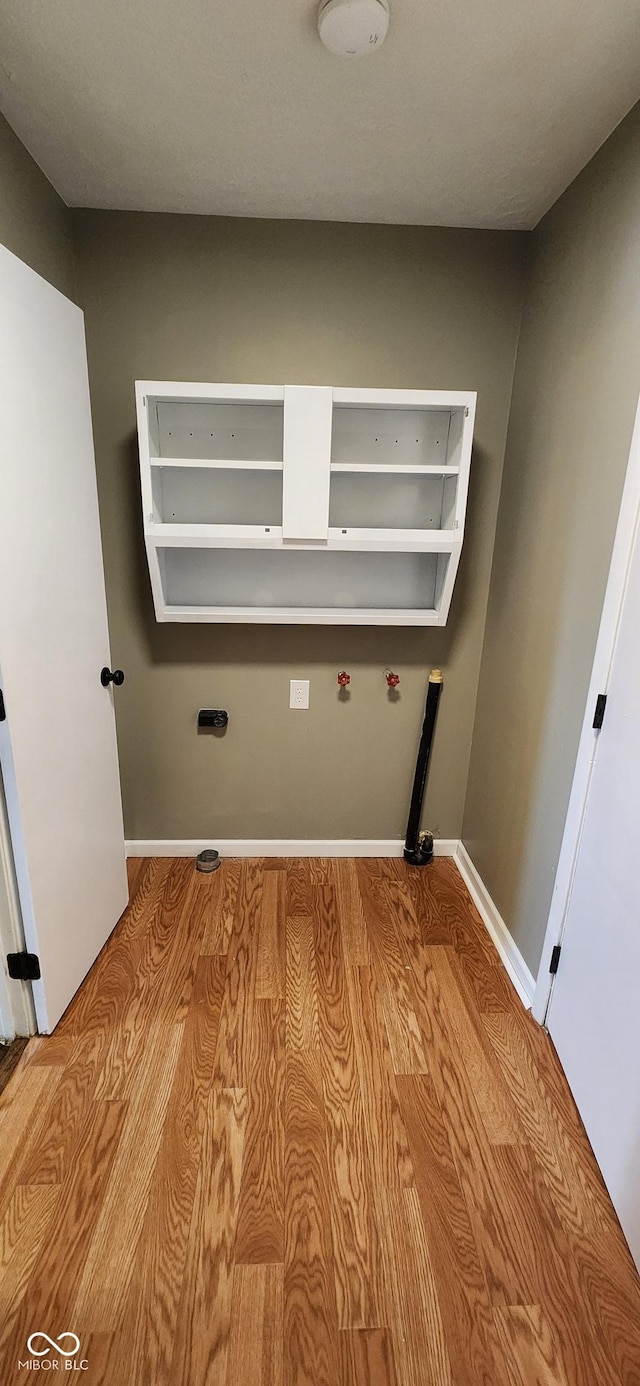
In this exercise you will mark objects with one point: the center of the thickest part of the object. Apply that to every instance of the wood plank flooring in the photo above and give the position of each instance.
(10, 1055)
(296, 1129)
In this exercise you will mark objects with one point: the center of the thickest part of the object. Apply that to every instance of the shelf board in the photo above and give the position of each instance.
(204, 536)
(394, 540)
(394, 469)
(304, 616)
(421, 400)
(230, 464)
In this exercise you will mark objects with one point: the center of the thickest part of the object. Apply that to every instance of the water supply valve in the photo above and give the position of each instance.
(392, 679)
(344, 679)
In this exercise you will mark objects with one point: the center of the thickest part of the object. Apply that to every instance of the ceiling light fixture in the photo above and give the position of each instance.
(352, 28)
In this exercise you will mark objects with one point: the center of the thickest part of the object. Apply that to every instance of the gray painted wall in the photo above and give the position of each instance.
(34, 222)
(197, 298)
(575, 394)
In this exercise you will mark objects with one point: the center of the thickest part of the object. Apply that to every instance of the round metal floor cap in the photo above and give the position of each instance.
(209, 860)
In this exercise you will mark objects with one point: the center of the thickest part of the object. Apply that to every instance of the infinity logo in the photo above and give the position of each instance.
(54, 1343)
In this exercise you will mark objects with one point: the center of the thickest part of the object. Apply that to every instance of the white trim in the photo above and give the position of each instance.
(523, 980)
(283, 847)
(623, 547)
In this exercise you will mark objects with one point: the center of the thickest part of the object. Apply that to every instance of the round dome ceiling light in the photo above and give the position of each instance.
(351, 28)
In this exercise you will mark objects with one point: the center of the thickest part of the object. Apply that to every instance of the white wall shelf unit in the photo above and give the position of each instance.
(303, 504)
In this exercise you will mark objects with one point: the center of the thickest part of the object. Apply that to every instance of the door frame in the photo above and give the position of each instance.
(627, 534)
(17, 1012)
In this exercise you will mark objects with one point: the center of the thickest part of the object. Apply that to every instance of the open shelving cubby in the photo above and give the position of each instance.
(215, 461)
(280, 585)
(394, 466)
(303, 504)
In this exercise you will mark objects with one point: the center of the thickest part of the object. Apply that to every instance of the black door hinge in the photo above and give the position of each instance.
(3, 711)
(23, 967)
(598, 716)
(555, 958)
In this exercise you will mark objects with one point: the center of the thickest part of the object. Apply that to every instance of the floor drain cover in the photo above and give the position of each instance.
(208, 860)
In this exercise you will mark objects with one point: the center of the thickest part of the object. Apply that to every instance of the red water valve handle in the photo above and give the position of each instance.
(392, 679)
(344, 679)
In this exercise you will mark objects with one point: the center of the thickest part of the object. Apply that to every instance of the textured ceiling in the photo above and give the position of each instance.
(474, 113)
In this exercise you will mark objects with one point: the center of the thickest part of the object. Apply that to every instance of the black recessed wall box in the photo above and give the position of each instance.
(212, 717)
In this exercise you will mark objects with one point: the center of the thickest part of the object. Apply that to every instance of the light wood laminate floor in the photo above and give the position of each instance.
(296, 1127)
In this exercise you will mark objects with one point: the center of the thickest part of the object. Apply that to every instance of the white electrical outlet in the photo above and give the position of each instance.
(299, 693)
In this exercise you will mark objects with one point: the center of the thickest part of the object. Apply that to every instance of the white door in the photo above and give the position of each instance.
(57, 745)
(594, 1015)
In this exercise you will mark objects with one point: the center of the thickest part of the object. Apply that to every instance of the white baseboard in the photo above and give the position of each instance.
(283, 847)
(523, 980)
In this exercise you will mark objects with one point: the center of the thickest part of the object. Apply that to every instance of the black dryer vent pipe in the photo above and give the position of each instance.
(418, 847)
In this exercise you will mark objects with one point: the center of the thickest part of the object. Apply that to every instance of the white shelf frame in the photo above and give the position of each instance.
(306, 468)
